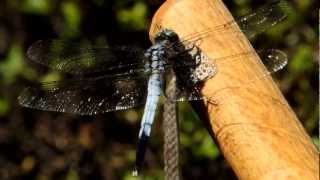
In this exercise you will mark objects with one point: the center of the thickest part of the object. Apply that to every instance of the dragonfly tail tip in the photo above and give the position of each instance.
(135, 172)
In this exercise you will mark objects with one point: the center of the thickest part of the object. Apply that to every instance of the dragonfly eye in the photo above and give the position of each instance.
(168, 35)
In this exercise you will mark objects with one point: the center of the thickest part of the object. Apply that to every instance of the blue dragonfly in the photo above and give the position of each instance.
(103, 79)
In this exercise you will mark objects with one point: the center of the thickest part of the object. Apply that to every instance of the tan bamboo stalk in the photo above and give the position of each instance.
(257, 131)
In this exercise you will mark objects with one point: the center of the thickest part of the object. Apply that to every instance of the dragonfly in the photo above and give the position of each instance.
(102, 79)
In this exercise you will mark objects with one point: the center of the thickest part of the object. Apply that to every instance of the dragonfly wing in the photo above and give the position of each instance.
(191, 68)
(273, 59)
(183, 93)
(87, 96)
(264, 18)
(251, 24)
(188, 90)
(84, 58)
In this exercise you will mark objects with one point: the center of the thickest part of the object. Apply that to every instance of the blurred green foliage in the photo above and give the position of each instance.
(302, 60)
(134, 18)
(193, 135)
(12, 65)
(40, 7)
(4, 107)
(72, 16)
(72, 175)
(46, 145)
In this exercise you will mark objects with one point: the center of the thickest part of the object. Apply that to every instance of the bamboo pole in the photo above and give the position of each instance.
(257, 131)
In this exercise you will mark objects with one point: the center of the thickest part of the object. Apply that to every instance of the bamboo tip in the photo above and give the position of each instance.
(156, 20)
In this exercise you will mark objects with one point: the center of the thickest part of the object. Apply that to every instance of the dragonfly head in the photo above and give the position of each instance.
(166, 34)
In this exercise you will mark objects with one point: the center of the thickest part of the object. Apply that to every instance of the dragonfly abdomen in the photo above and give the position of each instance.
(155, 85)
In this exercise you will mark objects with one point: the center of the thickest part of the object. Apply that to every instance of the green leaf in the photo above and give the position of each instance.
(4, 107)
(40, 7)
(134, 18)
(206, 147)
(52, 76)
(316, 141)
(72, 175)
(13, 65)
(302, 60)
(72, 16)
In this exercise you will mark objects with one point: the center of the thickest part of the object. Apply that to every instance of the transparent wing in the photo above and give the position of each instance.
(188, 90)
(87, 96)
(263, 19)
(251, 24)
(191, 67)
(84, 58)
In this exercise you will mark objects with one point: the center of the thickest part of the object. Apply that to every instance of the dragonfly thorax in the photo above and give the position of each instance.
(157, 57)
(158, 54)
(167, 35)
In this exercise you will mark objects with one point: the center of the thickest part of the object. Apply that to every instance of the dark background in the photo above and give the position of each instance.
(47, 145)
